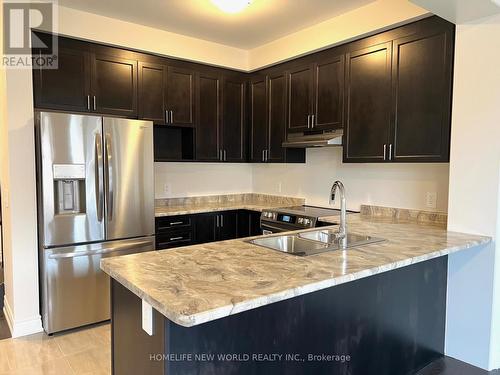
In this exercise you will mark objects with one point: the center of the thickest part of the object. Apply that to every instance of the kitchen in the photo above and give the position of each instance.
(220, 127)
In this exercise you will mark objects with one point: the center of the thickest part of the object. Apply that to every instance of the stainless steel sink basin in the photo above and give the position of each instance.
(329, 237)
(310, 243)
(292, 245)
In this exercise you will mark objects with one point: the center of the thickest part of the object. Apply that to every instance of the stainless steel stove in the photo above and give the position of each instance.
(294, 218)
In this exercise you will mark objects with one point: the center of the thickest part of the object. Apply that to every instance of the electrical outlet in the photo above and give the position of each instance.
(167, 188)
(431, 199)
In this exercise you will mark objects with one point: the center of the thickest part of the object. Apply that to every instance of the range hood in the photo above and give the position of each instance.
(326, 139)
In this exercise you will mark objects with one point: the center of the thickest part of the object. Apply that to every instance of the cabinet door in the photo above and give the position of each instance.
(258, 119)
(233, 128)
(248, 223)
(277, 118)
(205, 228)
(369, 104)
(228, 225)
(329, 94)
(300, 96)
(180, 96)
(208, 124)
(68, 86)
(152, 92)
(114, 85)
(422, 76)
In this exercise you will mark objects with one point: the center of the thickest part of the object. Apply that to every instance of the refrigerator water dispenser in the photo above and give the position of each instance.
(69, 189)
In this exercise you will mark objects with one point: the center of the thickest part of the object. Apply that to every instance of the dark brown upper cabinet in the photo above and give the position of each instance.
(300, 98)
(209, 117)
(368, 104)
(180, 96)
(68, 86)
(152, 98)
(277, 121)
(259, 142)
(114, 85)
(422, 80)
(316, 95)
(166, 94)
(268, 106)
(233, 120)
(399, 98)
(328, 110)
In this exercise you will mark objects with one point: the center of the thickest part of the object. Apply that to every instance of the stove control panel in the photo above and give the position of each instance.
(290, 219)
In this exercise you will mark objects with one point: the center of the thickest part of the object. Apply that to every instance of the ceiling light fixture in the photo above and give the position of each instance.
(231, 6)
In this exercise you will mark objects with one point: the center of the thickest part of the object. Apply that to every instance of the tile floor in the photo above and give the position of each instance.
(86, 351)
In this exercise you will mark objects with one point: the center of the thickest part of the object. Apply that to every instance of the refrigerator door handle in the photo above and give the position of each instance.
(108, 250)
(109, 175)
(99, 188)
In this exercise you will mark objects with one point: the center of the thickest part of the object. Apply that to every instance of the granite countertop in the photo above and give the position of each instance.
(196, 284)
(194, 205)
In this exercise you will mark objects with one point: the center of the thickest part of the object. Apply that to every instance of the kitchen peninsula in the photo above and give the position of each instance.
(232, 307)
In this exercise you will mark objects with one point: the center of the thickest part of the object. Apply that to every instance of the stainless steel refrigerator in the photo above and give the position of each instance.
(95, 199)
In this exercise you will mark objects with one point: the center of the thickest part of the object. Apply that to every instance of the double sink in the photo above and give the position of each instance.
(313, 242)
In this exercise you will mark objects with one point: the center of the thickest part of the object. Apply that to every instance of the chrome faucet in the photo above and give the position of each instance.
(342, 233)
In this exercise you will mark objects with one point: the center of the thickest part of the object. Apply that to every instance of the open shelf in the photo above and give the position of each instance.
(173, 143)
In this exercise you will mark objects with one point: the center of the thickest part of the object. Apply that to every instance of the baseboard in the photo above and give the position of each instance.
(23, 327)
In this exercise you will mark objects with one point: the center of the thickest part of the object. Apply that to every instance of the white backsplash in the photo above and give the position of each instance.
(393, 185)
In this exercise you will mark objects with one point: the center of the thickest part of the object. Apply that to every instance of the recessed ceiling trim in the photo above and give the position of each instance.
(258, 23)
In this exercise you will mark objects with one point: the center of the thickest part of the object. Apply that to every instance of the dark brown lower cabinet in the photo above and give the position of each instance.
(391, 323)
(228, 225)
(205, 227)
(185, 230)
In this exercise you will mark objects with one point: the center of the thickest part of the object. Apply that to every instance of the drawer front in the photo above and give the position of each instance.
(169, 223)
(174, 239)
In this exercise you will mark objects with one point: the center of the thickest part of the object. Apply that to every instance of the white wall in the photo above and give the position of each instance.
(473, 312)
(192, 179)
(393, 185)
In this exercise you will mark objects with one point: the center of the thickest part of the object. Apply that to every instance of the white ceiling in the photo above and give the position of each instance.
(461, 11)
(261, 22)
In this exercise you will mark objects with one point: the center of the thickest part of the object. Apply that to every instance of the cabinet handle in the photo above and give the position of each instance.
(222, 220)
(176, 238)
(312, 121)
(166, 116)
(171, 116)
(176, 223)
(220, 154)
(95, 104)
(225, 158)
(308, 121)
(217, 220)
(390, 151)
(88, 102)
(266, 157)
(385, 152)
(263, 155)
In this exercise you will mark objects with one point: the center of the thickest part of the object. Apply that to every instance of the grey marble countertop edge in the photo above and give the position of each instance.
(231, 309)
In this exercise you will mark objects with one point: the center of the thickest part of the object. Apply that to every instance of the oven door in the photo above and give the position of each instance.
(270, 227)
